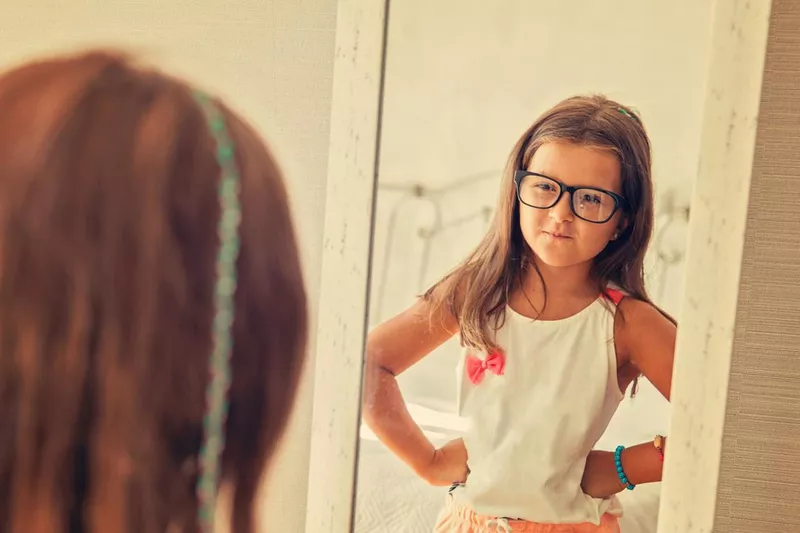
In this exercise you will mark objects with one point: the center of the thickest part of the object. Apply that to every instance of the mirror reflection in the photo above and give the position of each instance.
(535, 172)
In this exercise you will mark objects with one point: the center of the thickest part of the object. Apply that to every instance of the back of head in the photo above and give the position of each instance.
(108, 239)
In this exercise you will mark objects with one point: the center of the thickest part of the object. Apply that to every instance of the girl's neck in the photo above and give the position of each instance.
(574, 281)
(569, 290)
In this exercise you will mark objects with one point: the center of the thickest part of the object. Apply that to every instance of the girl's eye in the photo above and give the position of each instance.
(591, 198)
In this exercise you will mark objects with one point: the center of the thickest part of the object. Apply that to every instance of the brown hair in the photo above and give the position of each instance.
(476, 292)
(108, 238)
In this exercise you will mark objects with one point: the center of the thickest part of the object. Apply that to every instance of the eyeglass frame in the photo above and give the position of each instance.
(620, 202)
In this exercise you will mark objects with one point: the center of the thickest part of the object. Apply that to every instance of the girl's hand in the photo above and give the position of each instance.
(448, 466)
(600, 479)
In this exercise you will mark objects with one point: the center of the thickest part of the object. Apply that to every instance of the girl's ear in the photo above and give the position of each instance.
(621, 227)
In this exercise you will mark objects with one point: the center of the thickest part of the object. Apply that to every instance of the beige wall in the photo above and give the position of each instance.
(759, 486)
(273, 61)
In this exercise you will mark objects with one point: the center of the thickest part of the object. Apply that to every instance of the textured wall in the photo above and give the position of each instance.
(759, 488)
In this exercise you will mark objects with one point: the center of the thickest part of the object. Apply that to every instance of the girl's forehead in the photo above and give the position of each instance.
(576, 165)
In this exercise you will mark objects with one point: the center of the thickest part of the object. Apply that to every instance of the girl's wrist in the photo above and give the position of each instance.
(641, 464)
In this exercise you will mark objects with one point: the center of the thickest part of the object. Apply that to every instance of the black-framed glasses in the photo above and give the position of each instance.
(587, 203)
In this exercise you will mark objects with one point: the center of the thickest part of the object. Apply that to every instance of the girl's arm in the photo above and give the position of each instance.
(645, 340)
(392, 347)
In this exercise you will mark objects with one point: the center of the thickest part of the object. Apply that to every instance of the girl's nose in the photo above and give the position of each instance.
(562, 211)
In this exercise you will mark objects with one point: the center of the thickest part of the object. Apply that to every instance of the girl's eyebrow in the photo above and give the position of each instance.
(593, 187)
(546, 175)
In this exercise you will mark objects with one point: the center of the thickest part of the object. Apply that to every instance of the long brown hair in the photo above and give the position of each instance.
(477, 291)
(108, 217)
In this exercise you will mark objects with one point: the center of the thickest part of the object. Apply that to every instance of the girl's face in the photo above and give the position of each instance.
(557, 237)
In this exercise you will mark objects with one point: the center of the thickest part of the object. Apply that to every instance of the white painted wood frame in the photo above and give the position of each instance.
(347, 242)
(713, 266)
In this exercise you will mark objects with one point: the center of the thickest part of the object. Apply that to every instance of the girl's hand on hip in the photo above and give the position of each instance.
(600, 479)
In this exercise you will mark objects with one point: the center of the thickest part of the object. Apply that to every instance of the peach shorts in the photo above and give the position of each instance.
(456, 518)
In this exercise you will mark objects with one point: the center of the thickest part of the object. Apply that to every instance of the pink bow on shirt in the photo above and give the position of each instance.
(476, 367)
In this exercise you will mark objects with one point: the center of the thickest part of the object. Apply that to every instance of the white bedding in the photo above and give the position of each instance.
(391, 499)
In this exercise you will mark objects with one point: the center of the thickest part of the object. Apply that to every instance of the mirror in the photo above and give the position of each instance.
(462, 83)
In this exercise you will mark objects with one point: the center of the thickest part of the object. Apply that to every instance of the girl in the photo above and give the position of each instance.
(552, 311)
(149, 286)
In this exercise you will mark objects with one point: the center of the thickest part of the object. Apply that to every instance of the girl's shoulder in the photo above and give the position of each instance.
(637, 321)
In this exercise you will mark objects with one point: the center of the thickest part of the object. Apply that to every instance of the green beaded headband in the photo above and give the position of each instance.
(220, 365)
(628, 114)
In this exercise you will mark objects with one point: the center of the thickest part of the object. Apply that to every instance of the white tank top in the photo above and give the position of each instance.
(533, 423)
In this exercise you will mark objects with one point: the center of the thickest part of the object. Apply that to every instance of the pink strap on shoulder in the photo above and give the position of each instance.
(614, 295)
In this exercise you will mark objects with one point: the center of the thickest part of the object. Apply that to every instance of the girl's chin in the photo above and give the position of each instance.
(557, 260)
(557, 256)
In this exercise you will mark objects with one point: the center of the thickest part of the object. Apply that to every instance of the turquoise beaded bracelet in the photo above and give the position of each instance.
(620, 472)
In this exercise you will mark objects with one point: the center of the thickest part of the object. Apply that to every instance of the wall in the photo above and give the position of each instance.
(758, 485)
(464, 80)
(273, 61)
